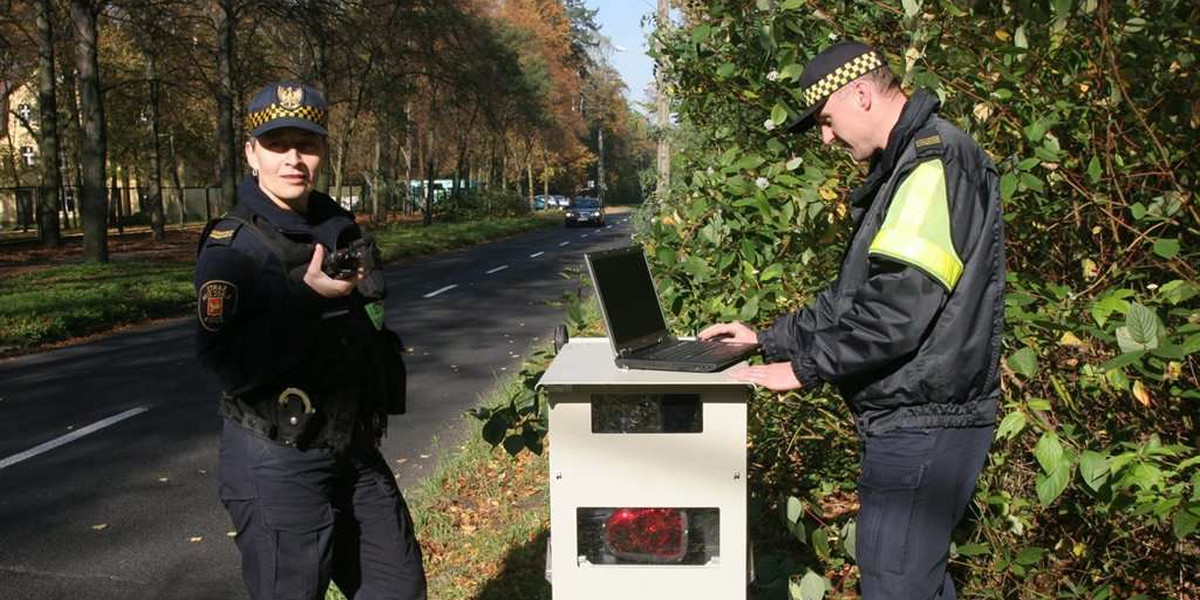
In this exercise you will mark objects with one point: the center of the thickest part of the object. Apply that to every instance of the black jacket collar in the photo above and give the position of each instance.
(323, 221)
(917, 111)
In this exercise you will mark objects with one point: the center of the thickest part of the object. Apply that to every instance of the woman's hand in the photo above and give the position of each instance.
(322, 284)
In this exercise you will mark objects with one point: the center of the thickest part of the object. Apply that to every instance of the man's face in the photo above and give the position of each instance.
(287, 160)
(844, 121)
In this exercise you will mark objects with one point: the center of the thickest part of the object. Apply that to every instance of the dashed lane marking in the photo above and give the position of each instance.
(497, 269)
(436, 292)
(536, 254)
(70, 437)
(565, 244)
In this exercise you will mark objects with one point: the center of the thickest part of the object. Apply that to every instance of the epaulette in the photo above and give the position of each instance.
(219, 232)
(928, 142)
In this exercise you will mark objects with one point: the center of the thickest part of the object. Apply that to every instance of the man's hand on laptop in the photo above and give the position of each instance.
(730, 332)
(777, 377)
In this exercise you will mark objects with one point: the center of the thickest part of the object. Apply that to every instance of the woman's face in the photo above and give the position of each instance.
(287, 160)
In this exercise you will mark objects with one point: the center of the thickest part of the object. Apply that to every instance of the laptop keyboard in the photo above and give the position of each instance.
(693, 350)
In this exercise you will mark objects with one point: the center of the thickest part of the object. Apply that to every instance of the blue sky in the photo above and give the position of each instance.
(621, 21)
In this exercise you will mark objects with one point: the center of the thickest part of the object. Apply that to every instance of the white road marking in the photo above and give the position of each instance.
(536, 254)
(608, 227)
(583, 236)
(564, 244)
(497, 269)
(74, 435)
(436, 292)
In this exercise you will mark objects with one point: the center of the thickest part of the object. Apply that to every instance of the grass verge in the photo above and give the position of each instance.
(483, 520)
(402, 241)
(61, 302)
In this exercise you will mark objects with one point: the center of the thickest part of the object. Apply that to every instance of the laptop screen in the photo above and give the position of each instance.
(627, 293)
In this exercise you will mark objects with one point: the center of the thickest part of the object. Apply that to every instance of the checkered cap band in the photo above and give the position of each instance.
(855, 68)
(256, 119)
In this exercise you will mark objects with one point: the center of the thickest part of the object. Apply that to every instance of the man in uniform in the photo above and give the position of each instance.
(910, 331)
(310, 374)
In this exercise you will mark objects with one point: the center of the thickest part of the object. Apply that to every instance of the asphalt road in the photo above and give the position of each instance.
(128, 508)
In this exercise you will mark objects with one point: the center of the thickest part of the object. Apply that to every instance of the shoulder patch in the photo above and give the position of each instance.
(223, 233)
(928, 142)
(218, 299)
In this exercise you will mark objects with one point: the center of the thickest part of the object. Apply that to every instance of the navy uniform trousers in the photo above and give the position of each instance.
(303, 517)
(914, 488)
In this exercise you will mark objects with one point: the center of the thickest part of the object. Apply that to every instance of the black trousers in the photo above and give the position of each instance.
(304, 517)
(914, 488)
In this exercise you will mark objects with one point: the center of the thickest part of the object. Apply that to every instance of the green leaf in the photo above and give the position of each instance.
(1093, 467)
(810, 587)
(1011, 426)
(1008, 185)
(494, 429)
(513, 444)
(1135, 25)
(749, 309)
(1138, 210)
(911, 7)
(820, 543)
(1024, 362)
(1030, 555)
(849, 539)
(974, 549)
(1186, 520)
(1166, 247)
(779, 114)
(795, 509)
(1143, 326)
(1049, 452)
(1178, 291)
(771, 272)
(792, 71)
(1094, 170)
(1040, 404)
(725, 70)
(1050, 486)
(701, 32)
(1033, 182)
(1002, 93)
(1036, 130)
(1122, 360)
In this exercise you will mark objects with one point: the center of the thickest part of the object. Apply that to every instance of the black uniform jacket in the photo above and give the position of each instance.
(261, 330)
(910, 331)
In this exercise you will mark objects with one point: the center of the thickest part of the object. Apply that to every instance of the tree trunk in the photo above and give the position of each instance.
(176, 179)
(408, 170)
(157, 218)
(94, 200)
(226, 149)
(430, 172)
(381, 188)
(600, 165)
(74, 139)
(48, 141)
(664, 113)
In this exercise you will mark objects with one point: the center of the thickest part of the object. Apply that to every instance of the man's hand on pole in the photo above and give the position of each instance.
(777, 377)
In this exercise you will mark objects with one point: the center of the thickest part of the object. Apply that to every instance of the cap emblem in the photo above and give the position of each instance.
(290, 98)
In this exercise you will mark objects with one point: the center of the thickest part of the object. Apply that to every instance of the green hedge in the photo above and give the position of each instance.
(1088, 109)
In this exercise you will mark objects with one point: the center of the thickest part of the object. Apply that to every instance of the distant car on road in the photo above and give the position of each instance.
(543, 202)
(584, 210)
(561, 201)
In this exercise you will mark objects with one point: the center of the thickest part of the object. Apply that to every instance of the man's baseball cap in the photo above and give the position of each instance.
(287, 104)
(828, 71)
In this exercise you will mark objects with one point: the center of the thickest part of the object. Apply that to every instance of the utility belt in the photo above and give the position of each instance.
(292, 418)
